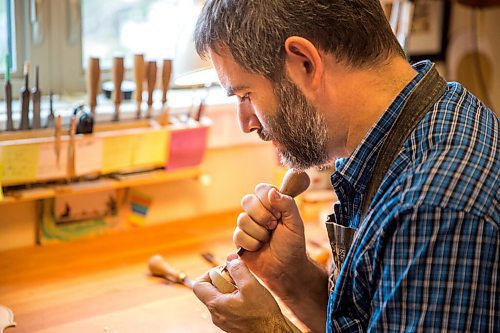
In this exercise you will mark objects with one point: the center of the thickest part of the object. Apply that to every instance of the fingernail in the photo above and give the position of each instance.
(231, 256)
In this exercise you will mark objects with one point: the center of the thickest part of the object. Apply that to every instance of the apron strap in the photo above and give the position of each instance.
(425, 95)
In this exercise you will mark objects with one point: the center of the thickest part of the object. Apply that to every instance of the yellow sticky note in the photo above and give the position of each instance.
(151, 149)
(20, 163)
(118, 152)
(1, 188)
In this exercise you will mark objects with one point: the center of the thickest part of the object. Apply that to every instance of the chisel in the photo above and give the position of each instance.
(118, 72)
(25, 100)
(151, 70)
(36, 96)
(166, 73)
(57, 138)
(50, 117)
(139, 80)
(8, 95)
(93, 74)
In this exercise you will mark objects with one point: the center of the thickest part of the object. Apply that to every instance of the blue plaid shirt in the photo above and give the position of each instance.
(426, 257)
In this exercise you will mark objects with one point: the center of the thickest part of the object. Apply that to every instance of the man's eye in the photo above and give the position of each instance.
(245, 97)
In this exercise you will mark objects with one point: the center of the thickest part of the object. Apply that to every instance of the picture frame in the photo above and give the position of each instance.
(429, 34)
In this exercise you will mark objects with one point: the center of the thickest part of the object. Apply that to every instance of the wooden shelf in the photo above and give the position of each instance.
(105, 183)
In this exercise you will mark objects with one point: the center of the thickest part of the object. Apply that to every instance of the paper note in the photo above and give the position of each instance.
(118, 152)
(1, 189)
(49, 166)
(151, 149)
(88, 156)
(20, 163)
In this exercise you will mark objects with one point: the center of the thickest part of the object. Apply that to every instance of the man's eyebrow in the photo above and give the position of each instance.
(231, 91)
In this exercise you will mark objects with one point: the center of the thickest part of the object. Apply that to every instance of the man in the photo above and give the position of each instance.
(417, 175)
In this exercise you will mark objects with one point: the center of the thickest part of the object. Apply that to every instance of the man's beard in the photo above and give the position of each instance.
(298, 128)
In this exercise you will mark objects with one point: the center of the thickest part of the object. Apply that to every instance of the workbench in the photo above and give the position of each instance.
(103, 284)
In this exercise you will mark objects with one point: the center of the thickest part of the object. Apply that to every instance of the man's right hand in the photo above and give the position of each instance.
(272, 232)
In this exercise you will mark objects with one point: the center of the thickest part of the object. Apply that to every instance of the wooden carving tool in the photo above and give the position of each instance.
(25, 100)
(57, 138)
(8, 95)
(166, 72)
(93, 78)
(200, 111)
(294, 183)
(118, 72)
(212, 259)
(151, 70)
(51, 118)
(36, 96)
(71, 147)
(139, 72)
(159, 267)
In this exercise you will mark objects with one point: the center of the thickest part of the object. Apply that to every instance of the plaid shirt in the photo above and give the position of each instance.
(426, 257)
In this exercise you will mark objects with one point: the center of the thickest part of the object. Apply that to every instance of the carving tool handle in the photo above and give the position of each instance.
(57, 138)
(159, 267)
(36, 96)
(139, 73)
(93, 78)
(151, 71)
(25, 100)
(166, 72)
(118, 72)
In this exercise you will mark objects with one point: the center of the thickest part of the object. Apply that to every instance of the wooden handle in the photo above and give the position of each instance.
(166, 72)
(294, 183)
(151, 70)
(71, 147)
(93, 78)
(139, 70)
(57, 137)
(118, 72)
(159, 267)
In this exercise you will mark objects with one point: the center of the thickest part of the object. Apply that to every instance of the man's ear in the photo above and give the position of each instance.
(303, 63)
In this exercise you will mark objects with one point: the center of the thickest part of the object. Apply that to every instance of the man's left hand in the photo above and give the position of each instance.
(250, 308)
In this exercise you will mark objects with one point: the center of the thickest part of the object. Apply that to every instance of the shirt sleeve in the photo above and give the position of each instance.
(436, 270)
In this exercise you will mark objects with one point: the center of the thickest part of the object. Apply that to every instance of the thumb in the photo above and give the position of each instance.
(240, 273)
(285, 204)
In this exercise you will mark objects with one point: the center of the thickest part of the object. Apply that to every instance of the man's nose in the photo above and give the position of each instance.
(247, 118)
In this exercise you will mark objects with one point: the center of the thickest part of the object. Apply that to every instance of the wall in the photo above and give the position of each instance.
(461, 65)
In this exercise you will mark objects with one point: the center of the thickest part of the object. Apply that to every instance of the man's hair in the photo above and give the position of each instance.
(255, 31)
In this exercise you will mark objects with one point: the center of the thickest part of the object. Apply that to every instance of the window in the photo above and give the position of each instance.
(127, 27)
(7, 34)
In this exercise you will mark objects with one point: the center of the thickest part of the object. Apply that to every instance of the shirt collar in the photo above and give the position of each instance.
(357, 168)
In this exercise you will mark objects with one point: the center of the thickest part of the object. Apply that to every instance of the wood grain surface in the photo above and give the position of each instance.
(103, 284)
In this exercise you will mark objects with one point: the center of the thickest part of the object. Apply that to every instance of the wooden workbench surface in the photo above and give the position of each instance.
(103, 284)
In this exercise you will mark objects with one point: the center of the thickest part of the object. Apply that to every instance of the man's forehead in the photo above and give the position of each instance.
(231, 75)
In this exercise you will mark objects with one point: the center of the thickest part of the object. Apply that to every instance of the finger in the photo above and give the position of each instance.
(258, 212)
(290, 216)
(244, 240)
(241, 275)
(252, 228)
(262, 192)
(205, 291)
